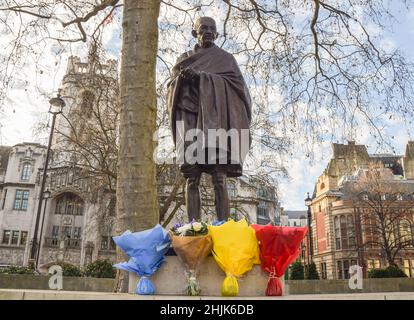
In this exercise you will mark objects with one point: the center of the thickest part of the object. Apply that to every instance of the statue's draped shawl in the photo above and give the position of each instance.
(223, 97)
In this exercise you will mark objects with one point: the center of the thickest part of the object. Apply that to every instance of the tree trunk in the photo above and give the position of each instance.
(137, 205)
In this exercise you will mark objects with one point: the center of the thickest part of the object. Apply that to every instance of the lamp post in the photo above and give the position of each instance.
(56, 106)
(308, 202)
(46, 196)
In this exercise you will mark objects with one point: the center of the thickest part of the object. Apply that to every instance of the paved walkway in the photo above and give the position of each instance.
(16, 294)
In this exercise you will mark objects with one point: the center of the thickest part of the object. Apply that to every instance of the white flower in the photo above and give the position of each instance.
(197, 226)
(184, 228)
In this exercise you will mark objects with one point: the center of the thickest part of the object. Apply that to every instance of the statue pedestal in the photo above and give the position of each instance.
(170, 279)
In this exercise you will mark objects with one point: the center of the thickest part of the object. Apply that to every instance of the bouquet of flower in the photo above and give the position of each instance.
(192, 243)
(279, 247)
(146, 249)
(235, 250)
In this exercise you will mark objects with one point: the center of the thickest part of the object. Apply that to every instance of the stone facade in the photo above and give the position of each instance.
(332, 210)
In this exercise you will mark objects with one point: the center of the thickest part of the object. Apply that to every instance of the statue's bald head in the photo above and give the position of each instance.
(203, 20)
(205, 30)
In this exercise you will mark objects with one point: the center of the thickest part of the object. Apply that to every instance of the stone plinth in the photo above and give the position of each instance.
(170, 279)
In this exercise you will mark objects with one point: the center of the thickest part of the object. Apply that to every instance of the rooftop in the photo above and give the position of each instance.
(299, 214)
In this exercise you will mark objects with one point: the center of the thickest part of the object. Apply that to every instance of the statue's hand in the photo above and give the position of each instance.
(190, 74)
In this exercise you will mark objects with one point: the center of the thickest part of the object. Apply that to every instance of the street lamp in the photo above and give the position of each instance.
(308, 202)
(46, 196)
(56, 106)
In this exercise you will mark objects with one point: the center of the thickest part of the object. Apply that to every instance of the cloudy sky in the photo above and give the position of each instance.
(27, 104)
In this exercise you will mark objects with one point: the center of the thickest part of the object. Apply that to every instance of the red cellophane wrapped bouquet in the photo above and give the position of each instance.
(279, 247)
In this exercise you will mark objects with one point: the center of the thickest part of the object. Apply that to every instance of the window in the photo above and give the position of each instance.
(107, 243)
(55, 232)
(409, 267)
(77, 232)
(6, 236)
(344, 232)
(262, 213)
(373, 264)
(15, 237)
(337, 234)
(231, 189)
(365, 197)
(351, 232)
(339, 269)
(262, 192)
(23, 237)
(21, 200)
(346, 269)
(66, 232)
(324, 274)
(104, 243)
(405, 232)
(26, 172)
(4, 199)
(344, 235)
(69, 204)
(343, 268)
(399, 197)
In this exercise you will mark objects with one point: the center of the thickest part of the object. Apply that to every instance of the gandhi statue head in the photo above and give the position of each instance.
(205, 30)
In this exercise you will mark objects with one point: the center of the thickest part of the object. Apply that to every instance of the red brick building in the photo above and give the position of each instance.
(336, 229)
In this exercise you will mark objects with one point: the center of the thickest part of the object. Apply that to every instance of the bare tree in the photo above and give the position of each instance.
(384, 212)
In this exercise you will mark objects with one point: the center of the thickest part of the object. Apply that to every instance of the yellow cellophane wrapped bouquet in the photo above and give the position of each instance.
(235, 250)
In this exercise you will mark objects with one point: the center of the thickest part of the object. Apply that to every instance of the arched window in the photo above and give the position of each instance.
(26, 172)
(69, 203)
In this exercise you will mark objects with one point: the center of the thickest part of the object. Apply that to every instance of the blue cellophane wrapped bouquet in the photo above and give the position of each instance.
(147, 253)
